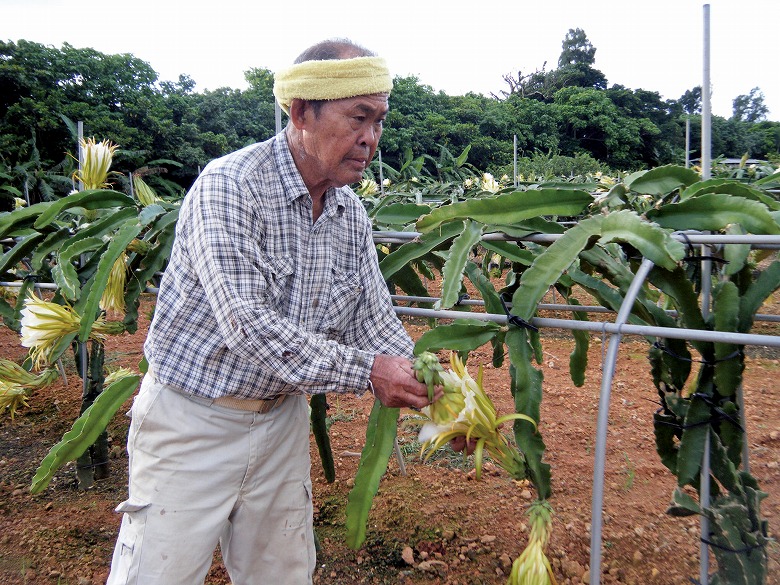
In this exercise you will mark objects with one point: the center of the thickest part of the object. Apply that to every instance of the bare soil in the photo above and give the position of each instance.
(436, 523)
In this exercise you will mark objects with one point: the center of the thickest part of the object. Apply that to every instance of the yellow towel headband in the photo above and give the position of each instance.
(332, 79)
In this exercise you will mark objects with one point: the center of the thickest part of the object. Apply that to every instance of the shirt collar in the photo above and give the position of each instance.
(292, 182)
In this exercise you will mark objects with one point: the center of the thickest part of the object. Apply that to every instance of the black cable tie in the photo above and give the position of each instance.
(514, 319)
(32, 276)
(709, 421)
(683, 427)
(688, 243)
(702, 258)
(734, 354)
(723, 414)
(669, 352)
(93, 465)
(746, 549)
(461, 297)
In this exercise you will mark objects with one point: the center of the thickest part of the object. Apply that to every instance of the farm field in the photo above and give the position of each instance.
(436, 524)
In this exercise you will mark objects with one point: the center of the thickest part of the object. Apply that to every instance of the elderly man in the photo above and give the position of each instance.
(272, 293)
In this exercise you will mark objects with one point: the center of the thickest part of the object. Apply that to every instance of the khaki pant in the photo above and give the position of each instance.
(201, 475)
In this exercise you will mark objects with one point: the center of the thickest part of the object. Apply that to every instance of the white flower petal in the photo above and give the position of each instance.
(430, 431)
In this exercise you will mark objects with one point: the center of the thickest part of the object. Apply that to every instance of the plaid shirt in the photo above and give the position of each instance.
(256, 301)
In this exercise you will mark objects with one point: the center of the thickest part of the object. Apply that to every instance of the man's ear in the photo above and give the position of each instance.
(298, 109)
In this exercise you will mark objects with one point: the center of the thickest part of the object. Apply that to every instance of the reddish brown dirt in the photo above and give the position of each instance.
(459, 530)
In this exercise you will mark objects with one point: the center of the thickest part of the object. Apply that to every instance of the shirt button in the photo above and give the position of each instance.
(315, 303)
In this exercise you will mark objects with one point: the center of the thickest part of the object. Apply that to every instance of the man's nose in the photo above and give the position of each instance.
(370, 136)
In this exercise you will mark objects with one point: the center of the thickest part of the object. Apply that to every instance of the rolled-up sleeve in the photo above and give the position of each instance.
(376, 327)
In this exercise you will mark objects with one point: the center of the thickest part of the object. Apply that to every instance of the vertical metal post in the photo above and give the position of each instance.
(84, 365)
(82, 345)
(80, 130)
(381, 174)
(706, 103)
(706, 271)
(706, 173)
(278, 117)
(706, 281)
(687, 141)
(399, 457)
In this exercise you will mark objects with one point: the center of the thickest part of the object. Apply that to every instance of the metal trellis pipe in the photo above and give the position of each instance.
(605, 327)
(761, 242)
(600, 455)
(546, 306)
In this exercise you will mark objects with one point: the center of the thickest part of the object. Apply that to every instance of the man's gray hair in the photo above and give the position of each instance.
(333, 49)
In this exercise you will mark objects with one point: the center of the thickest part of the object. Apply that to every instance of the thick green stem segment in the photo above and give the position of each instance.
(85, 430)
(380, 434)
(578, 359)
(93, 463)
(527, 388)
(319, 428)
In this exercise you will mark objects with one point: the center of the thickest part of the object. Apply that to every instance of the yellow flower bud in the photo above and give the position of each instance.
(113, 298)
(12, 397)
(532, 567)
(45, 323)
(96, 158)
(143, 192)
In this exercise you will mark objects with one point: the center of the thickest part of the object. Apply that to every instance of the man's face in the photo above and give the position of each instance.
(341, 140)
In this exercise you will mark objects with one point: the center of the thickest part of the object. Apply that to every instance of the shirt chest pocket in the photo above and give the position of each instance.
(345, 295)
(277, 272)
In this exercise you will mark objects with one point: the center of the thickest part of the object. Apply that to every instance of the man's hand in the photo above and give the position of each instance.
(460, 444)
(395, 383)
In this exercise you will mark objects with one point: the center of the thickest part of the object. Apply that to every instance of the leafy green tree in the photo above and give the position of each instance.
(576, 49)
(731, 138)
(659, 130)
(535, 124)
(241, 117)
(485, 125)
(579, 75)
(538, 85)
(42, 84)
(575, 63)
(408, 125)
(43, 88)
(589, 122)
(766, 138)
(691, 100)
(750, 107)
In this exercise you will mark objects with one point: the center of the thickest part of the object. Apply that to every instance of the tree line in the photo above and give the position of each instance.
(167, 126)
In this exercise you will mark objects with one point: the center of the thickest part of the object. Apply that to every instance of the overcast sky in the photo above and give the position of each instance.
(452, 45)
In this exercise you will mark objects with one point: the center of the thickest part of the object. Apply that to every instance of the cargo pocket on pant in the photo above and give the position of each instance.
(124, 564)
(299, 506)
